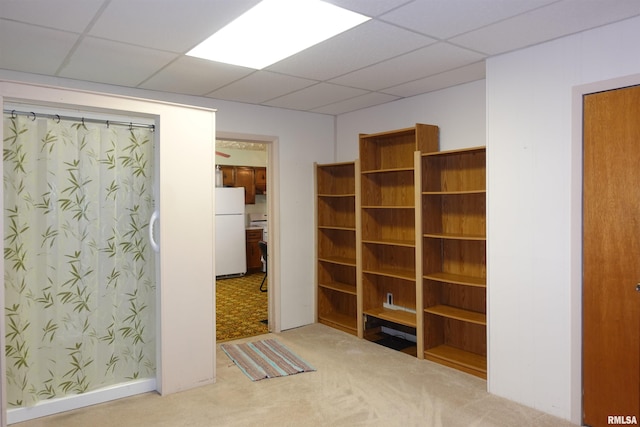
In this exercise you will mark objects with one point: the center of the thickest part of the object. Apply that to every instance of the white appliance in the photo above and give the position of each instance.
(259, 220)
(231, 254)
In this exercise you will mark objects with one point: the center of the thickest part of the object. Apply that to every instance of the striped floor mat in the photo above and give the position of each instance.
(265, 359)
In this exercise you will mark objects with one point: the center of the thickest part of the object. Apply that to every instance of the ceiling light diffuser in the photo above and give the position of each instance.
(276, 29)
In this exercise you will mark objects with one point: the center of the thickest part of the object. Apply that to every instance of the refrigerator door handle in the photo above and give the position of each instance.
(152, 222)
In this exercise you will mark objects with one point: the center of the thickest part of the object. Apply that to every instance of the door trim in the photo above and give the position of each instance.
(578, 93)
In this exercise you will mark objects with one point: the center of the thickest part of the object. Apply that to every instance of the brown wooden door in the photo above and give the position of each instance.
(611, 257)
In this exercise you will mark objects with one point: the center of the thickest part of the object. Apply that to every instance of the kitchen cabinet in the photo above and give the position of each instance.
(253, 179)
(261, 180)
(228, 176)
(254, 260)
(245, 177)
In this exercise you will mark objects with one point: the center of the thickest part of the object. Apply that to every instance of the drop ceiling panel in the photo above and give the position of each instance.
(363, 101)
(446, 18)
(412, 66)
(315, 96)
(171, 25)
(370, 8)
(33, 49)
(194, 76)
(260, 87)
(364, 45)
(110, 62)
(68, 15)
(468, 73)
(549, 22)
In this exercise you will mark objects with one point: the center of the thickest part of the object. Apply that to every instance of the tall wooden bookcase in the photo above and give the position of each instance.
(454, 252)
(390, 223)
(337, 252)
(402, 245)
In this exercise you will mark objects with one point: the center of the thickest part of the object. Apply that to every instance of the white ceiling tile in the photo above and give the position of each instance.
(364, 45)
(412, 66)
(468, 73)
(446, 18)
(369, 7)
(195, 76)
(315, 96)
(363, 101)
(549, 22)
(172, 25)
(68, 15)
(33, 49)
(260, 86)
(110, 62)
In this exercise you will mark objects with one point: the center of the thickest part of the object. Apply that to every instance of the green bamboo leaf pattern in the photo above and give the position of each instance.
(79, 275)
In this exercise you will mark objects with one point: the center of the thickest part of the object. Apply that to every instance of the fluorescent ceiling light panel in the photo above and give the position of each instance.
(276, 29)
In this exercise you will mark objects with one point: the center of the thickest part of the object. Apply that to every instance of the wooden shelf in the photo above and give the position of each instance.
(454, 236)
(339, 260)
(396, 273)
(388, 170)
(392, 242)
(339, 287)
(396, 316)
(457, 279)
(336, 227)
(457, 314)
(337, 196)
(385, 207)
(456, 358)
(457, 151)
(453, 193)
(339, 321)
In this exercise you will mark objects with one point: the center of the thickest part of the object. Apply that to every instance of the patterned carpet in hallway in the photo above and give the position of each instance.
(241, 308)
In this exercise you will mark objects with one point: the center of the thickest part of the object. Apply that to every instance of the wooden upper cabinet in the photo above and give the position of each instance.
(253, 179)
(228, 176)
(261, 180)
(245, 177)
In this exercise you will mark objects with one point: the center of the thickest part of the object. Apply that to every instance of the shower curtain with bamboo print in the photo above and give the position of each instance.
(79, 277)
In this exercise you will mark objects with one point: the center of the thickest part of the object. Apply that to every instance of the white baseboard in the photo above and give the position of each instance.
(67, 403)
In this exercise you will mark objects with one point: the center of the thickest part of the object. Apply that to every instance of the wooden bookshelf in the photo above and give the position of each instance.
(390, 239)
(336, 249)
(454, 258)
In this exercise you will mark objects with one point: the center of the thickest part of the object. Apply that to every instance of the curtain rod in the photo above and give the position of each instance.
(58, 117)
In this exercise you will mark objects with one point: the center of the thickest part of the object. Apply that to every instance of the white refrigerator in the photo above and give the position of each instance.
(230, 256)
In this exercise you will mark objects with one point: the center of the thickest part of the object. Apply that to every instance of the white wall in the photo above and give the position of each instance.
(458, 111)
(534, 211)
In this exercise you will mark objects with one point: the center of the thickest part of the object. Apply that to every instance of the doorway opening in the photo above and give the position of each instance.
(244, 300)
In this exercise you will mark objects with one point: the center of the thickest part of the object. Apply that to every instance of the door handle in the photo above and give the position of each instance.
(638, 287)
(152, 221)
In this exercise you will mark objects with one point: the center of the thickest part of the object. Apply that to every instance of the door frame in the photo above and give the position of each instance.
(577, 95)
(273, 224)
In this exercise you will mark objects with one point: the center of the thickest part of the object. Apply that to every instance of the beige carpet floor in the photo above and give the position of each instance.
(357, 383)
